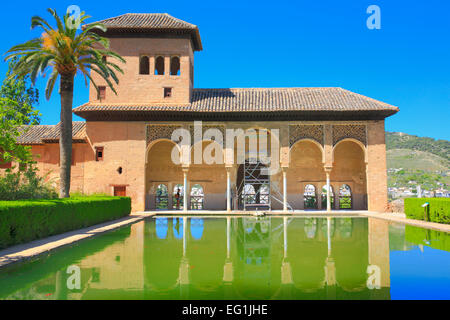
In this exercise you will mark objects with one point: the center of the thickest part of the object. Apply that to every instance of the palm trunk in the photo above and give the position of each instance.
(65, 141)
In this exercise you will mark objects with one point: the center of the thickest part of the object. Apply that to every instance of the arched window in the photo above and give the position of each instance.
(249, 194)
(345, 197)
(324, 196)
(162, 197)
(310, 227)
(159, 65)
(264, 194)
(197, 197)
(144, 65)
(178, 192)
(175, 66)
(309, 196)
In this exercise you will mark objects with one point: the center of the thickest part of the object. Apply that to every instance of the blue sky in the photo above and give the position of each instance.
(295, 44)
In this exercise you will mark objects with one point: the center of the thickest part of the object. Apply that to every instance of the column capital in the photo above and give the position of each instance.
(327, 168)
(185, 169)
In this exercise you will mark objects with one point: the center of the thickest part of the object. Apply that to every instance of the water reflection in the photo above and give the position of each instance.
(223, 258)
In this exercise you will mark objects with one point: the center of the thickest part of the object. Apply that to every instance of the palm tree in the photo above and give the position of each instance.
(65, 51)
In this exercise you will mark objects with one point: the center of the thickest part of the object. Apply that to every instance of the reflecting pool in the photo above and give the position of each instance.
(242, 258)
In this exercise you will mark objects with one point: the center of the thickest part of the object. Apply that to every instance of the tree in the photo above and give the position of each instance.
(65, 51)
(11, 126)
(23, 94)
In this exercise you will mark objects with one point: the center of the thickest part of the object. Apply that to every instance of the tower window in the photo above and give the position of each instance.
(159, 65)
(175, 66)
(144, 65)
(167, 92)
(101, 92)
(98, 153)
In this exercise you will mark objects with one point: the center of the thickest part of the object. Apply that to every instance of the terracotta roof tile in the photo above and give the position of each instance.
(39, 134)
(156, 22)
(259, 100)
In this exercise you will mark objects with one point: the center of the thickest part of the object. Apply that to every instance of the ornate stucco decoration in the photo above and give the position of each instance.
(298, 132)
(354, 131)
(155, 132)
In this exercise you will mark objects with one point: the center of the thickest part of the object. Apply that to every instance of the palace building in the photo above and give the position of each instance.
(325, 136)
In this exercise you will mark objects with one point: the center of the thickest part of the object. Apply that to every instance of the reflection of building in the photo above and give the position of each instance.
(231, 258)
(325, 134)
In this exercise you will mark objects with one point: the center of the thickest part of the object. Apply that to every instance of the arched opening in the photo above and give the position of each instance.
(208, 170)
(161, 173)
(324, 197)
(349, 168)
(175, 66)
(253, 186)
(345, 197)
(310, 197)
(159, 66)
(197, 197)
(305, 168)
(162, 197)
(178, 197)
(144, 65)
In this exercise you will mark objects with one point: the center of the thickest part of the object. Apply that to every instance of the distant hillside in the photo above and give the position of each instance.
(399, 140)
(423, 160)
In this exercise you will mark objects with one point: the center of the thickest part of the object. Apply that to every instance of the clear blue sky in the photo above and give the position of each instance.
(295, 44)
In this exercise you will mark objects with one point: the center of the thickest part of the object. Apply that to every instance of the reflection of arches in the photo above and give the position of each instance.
(178, 227)
(324, 196)
(345, 227)
(310, 197)
(345, 197)
(162, 197)
(178, 196)
(197, 226)
(162, 226)
(310, 227)
(197, 197)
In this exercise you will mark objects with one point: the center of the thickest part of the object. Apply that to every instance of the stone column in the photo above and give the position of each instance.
(284, 189)
(327, 172)
(228, 189)
(185, 187)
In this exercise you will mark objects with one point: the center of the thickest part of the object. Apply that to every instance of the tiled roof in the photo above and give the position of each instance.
(39, 134)
(157, 22)
(33, 134)
(259, 100)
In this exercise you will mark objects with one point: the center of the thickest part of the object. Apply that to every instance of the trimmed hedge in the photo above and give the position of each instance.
(438, 210)
(27, 220)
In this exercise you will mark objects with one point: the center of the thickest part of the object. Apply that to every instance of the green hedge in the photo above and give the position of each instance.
(438, 211)
(431, 238)
(27, 220)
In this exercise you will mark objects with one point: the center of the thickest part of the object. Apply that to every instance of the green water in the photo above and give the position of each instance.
(241, 258)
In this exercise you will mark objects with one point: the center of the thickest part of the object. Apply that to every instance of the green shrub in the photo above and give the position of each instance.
(27, 220)
(25, 184)
(438, 211)
(432, 238)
